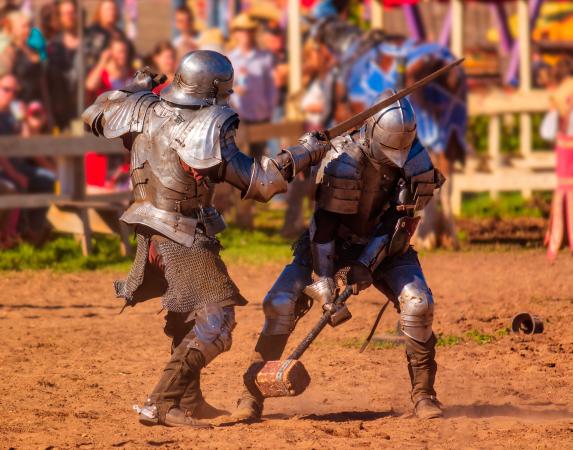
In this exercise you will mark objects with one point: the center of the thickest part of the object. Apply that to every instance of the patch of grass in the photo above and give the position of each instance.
(356, 343)
(479, 337)
(510, 204)
(64, 253)
(254, 247)
(447, 340)
(503, 332)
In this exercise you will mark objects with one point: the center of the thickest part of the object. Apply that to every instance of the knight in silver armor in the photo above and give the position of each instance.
(369, 187)
(182, 143)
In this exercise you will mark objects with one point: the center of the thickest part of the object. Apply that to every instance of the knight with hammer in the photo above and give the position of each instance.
(370, 184)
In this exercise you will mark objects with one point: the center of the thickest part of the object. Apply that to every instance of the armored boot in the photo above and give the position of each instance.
(422, 368)
(181, 379)
(268, 348)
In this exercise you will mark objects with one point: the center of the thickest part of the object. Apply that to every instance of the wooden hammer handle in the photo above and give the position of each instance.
(310, 337)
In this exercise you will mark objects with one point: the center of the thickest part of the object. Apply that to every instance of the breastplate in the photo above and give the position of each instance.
(378, 188)
(168, 198)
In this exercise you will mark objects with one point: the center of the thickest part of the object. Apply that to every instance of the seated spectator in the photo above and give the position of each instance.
(27, 66)
(36, 123)
(40, 174)
(61, 71)
(105, 29)
(10, 179)
(113, 70)
(164, 61)
(184, 24)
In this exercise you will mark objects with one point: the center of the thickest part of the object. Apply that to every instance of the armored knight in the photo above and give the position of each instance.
(370, 184)
(182, 143)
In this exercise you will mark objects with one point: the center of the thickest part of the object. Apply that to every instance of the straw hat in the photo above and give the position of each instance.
(211, 37)
(243, 22)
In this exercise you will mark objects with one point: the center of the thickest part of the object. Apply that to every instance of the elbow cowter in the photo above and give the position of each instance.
(266, 181)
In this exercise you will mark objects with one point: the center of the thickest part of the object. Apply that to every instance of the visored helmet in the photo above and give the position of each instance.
(390, 132)
(203, 78)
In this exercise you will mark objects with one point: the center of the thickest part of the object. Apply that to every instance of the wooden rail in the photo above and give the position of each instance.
(527, 172)
(70, 151)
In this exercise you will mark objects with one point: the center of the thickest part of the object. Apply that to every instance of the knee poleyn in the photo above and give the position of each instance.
(213, 331)
(279, 313)
(416, 310)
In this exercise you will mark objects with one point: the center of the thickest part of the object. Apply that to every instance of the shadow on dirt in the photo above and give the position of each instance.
(348, 416)
(486, 411)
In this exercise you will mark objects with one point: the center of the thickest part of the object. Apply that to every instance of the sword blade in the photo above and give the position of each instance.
(359, 118)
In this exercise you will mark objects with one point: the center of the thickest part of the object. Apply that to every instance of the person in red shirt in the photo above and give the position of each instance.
(164, 60)
(113, 70)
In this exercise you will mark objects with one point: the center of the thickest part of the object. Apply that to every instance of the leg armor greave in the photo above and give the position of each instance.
(416, 310)
(280, 303)
(213, 331)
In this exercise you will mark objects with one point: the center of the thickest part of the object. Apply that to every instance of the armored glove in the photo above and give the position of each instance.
(359, 277)
(316, 144)
(145, 80)
(323, 290)
(310, 150)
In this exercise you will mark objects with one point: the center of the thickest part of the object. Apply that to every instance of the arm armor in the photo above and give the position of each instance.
(309, 151)
(388, 244)
(258, 180)
(422, 175)
(266, 180)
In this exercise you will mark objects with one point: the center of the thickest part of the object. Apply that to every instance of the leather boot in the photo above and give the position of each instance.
(176, 417)
(250, 404)
(422, 369)
(180, 382)
(428, 408)
(206, 411)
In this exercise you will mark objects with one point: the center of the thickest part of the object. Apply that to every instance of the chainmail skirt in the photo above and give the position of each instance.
(191, 277)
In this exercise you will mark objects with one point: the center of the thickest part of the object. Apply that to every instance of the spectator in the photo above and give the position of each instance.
(185, 27)
(103, 31)
(113, 70)
(40, 177)
(10, 109)
(36, 123)
(27, 66)
(255, 92)
(62, 72)
(274, 41)
(212, 39)
(164, 60)
(10, 179)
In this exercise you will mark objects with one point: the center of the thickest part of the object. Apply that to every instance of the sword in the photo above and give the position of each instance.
(359, 118)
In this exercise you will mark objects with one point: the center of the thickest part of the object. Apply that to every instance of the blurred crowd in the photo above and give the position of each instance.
(40, 76)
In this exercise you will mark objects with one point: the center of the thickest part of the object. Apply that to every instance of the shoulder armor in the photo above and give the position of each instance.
(339, 178)
(422, 175)
(196, 136)
(123, 112)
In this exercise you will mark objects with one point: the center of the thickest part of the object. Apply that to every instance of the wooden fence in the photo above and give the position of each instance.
(74, 209)
(530, 170)
(527, 172)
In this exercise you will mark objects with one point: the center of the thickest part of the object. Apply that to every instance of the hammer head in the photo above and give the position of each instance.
(286, 378)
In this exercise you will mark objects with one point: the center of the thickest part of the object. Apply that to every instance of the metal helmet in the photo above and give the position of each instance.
(390, 132)
(203, 78)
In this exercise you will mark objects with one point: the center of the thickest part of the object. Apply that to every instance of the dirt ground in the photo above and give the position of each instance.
(71, 368)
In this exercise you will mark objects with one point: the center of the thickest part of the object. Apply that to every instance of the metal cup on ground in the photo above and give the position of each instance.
(527, 324)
